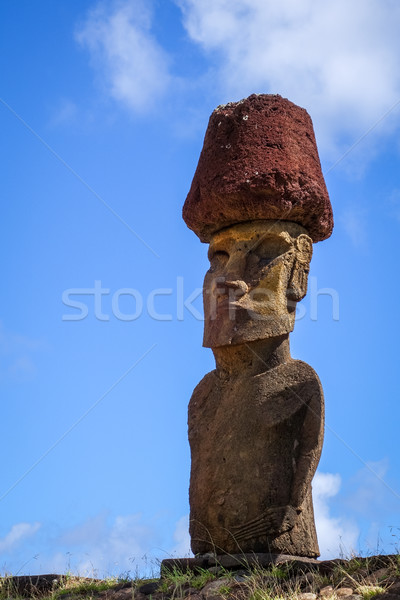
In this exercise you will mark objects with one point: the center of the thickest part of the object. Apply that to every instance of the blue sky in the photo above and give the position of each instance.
(103, 110)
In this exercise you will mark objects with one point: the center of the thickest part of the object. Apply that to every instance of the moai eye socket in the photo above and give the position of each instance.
(217, 258)
(269, 248)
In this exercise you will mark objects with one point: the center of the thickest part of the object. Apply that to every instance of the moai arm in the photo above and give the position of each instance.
(310, 443)
(298, 407)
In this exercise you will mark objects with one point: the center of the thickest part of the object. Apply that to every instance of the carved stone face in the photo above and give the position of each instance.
(258, 272)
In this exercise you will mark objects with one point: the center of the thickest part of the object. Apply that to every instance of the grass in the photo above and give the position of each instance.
(369, 591)
(281, 582)
(175, 578)
(175, 582)
(74, 587)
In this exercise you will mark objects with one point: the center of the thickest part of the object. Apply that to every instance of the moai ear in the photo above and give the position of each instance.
(297, 286)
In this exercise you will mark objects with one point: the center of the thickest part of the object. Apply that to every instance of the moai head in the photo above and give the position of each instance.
(258, 272)
(259, 199)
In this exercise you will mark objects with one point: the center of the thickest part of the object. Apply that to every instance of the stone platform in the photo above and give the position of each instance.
(233, 562)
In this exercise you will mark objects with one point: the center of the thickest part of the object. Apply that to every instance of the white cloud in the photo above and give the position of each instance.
(18, 534)
(181, 548)
(13, 342)
(336, 58)
(393, 204)
(97, 547)
(370, 494)
(101, 546)
(65, 113)
(132, 66)
(336, 535)
(372, 497)
(16, 351)
(90, 531)
(353, 221)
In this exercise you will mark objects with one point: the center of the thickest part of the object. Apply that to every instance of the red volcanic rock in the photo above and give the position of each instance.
(259, 161)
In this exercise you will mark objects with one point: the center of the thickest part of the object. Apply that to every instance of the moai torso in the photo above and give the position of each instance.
(255, 445)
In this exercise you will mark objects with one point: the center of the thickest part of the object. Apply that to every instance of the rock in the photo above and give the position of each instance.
(238, 591)
(326, 591)
(387, 596)
(125, 593)
(193, 594)
(212, 588)
(157, 596)
(25, 585)
(306, 596)
(306, 578)
(305, 582)
(190, 592)
(259, 161)
(327, 567)
(347, 581)
(215, 570)
(241, 576)
(360, 574)
(344, 591)
(380, 561)
(377, 576)
(395, 588)
(149, 588)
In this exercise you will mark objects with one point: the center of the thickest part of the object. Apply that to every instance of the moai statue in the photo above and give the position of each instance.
(259, 199)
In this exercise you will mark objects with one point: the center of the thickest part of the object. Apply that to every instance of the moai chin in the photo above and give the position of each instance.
(259, 199)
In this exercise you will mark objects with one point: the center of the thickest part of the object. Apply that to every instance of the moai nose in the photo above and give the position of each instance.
(241, 288)
(235, 268)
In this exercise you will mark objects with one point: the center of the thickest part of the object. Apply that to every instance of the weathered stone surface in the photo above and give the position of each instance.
(192, 593)
(377, 576)
(326, 592)
(250, 486)
(258, 272)
(123, 593)
(306, 581)
(148, 588)
(344, 591)
(256, 422)
(259, 161)
(210, 589)
(25, 585)
(235, 562)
